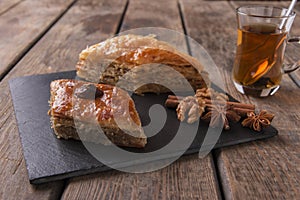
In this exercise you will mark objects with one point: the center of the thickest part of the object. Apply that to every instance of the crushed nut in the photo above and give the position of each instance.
(190, 107)
(209, 93)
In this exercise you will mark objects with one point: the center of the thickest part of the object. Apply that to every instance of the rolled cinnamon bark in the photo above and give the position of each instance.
(232, 104)
(175, 97)
(173, 101)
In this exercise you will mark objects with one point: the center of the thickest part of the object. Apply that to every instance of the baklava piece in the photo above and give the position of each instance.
(108, 61)
(96, 113)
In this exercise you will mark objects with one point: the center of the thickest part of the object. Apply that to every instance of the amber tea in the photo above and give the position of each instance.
(259, 57)
(262, 37)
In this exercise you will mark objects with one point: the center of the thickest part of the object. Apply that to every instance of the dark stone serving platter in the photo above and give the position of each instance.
(49, 159)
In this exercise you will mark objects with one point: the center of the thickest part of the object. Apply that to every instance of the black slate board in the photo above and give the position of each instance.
(49, 159)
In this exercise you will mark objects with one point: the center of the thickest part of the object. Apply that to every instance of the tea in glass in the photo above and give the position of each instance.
(259, 57)
(262, 38)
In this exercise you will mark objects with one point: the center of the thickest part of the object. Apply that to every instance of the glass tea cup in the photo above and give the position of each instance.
(263, 32)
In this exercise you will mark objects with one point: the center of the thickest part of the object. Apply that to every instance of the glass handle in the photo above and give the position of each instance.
(288, 68)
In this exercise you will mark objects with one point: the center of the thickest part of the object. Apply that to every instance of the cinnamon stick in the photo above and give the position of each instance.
(173, 101)
(240, 111)
(175, 97)
(232, 104)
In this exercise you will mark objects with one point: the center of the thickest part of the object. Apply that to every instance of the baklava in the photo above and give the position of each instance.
(108, 61)
(96, 113)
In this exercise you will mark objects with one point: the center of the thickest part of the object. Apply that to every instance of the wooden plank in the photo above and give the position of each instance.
(188, 178)
(6, 5)
(258, 170)
(184, 179)
(22, 26)
(57, 51)
(152, 14)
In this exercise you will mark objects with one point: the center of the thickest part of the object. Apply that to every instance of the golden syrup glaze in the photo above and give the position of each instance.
(136, 49)
(114, 57)
(114, 103)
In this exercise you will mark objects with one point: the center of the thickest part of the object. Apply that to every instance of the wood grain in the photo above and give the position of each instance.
(184, 179)
(57, 51)
(259, 170)
(189, 178)
(22, 26)
(152, 14)
(6, 5)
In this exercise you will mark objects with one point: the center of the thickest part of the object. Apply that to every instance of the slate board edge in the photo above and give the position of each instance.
(16, 118)
(93, 170)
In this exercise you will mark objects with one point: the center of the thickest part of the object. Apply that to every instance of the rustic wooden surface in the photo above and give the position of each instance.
(184, 179)
(6, 5)
(271, 166)
(49, 39)
(22, 25)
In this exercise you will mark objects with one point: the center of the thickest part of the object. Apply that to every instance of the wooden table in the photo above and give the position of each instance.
(45, 36)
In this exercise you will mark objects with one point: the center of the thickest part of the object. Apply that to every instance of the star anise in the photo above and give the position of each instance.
(190, 107)
(257, 122)
(219, 115)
